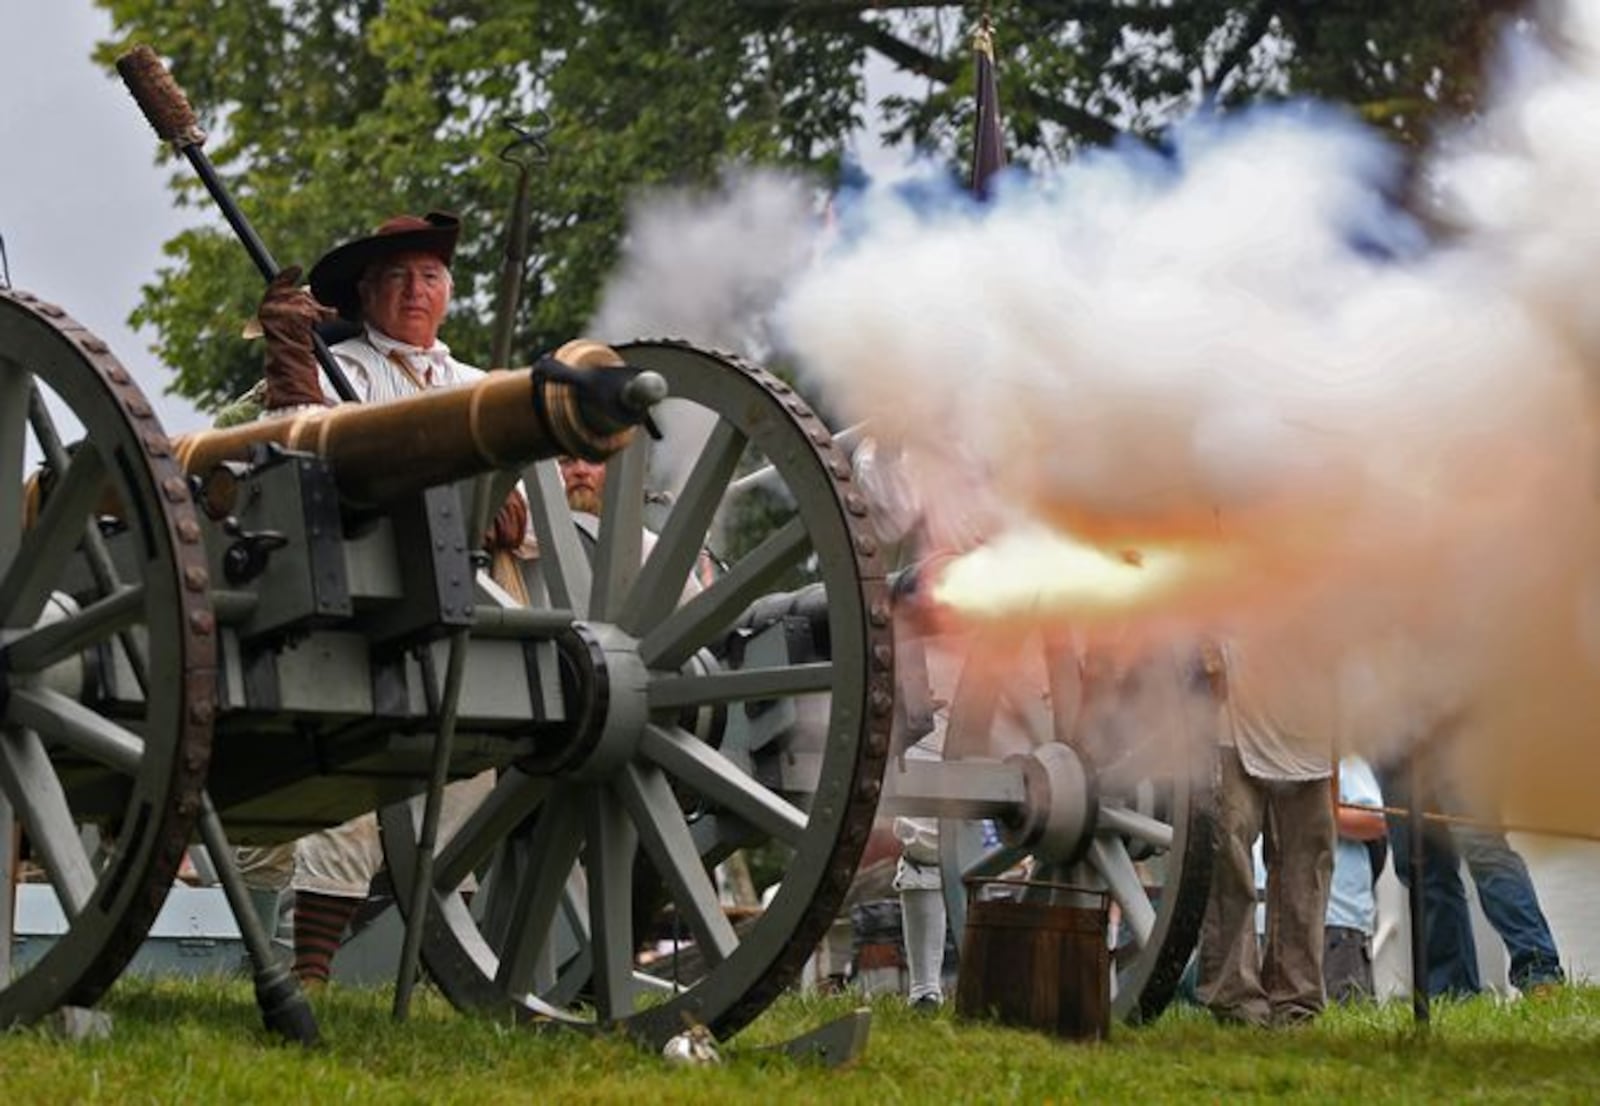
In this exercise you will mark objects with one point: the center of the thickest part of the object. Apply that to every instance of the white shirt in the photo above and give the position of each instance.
(1350, 900)
(1283, 715)
(373, 363)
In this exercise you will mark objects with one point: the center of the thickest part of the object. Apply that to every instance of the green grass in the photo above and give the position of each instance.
(202, 1042)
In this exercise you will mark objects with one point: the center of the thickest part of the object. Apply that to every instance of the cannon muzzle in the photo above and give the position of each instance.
(582, 402)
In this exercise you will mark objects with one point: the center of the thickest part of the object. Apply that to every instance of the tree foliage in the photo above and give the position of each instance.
(329, 115)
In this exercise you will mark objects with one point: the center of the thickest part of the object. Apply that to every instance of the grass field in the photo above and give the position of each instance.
(201, 1042)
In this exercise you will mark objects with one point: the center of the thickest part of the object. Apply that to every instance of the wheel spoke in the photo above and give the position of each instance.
(977, 697)
(767, 475)
(39, 801)
(1028, 710)
(56, 641)
(47, 546)
(678, 635)
(1142, 827)
(617, 557)
(743, 685)
(1066, 686)
(74, 725)
(539, 892)
(44, 429)
(15, 384)
(516, 795)
(565, 962)
(719, 781)
(665, 836)
(562, 561)
(94, 545)
(1111, 860)
(672, 562)
(609, 848)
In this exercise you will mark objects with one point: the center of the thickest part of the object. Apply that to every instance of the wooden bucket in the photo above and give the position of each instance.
(1037, 964)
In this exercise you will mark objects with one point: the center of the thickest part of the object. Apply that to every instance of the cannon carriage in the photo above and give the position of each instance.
(265, 639)
(226, 635)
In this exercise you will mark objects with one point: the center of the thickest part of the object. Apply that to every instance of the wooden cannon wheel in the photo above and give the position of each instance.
(1133, 756)
(107, 652)
(598, 905)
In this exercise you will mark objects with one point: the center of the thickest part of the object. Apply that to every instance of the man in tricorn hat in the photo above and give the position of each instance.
(396, 285)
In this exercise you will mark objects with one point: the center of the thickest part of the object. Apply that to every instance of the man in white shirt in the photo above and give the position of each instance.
(396, 284)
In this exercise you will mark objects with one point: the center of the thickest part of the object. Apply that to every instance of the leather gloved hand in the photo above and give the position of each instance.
(288, 316)
(509, 525)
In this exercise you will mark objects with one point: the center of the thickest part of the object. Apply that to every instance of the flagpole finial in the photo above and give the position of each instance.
(983, 34)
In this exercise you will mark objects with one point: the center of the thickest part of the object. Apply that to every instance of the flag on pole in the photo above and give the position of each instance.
(988, 145)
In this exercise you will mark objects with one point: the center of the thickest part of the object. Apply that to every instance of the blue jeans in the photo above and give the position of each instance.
(1505, 891)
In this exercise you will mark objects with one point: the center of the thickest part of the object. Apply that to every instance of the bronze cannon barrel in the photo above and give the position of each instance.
(584, 402)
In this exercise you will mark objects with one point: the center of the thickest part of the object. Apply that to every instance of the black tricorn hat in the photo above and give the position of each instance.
(334, 276)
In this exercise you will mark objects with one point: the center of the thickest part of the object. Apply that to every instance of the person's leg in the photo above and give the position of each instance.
(1346, 964)
(1299, 858)
(1510, 903)
(266, 871)
(332, 870)
(922, 921)
(922, 913)
(1230, 953)
(1452, 952)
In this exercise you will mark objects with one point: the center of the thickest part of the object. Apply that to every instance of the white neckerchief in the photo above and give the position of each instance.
(427, 367)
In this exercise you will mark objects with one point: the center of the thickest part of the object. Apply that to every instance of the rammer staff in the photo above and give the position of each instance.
(167, 108)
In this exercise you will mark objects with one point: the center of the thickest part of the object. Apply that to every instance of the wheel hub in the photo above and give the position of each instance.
(1056, 820)
(606, 683)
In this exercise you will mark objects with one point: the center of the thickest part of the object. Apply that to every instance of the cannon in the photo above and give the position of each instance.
(250, 626)
(1084, 777)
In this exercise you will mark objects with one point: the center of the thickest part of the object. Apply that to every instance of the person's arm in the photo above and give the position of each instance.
(1359, 823)
(288, 317)
(1355, 793)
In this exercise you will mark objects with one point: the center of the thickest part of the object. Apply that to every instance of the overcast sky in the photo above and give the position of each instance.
(83, 207)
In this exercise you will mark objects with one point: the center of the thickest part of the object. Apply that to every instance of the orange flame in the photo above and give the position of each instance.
(1047, 575)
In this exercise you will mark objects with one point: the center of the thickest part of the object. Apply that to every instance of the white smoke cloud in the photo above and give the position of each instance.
(1245, 341)
(709, 268)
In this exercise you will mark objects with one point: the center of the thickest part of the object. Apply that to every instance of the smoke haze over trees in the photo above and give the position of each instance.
(329, 115)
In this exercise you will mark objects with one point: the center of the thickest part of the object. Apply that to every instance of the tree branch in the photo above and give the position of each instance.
(914, 60)
(1256, 26)
(902, 53)
(1067, 10)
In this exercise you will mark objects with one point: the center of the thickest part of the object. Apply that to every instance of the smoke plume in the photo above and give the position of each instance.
(710, 268)
(1385, 417)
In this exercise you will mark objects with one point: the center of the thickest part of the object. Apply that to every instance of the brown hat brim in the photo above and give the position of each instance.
(334, 276)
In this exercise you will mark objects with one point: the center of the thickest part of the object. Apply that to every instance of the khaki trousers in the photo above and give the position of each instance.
(1279, 979)
(342, 861)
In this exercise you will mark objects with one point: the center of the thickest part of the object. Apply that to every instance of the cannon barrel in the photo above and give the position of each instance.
(583, 402)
